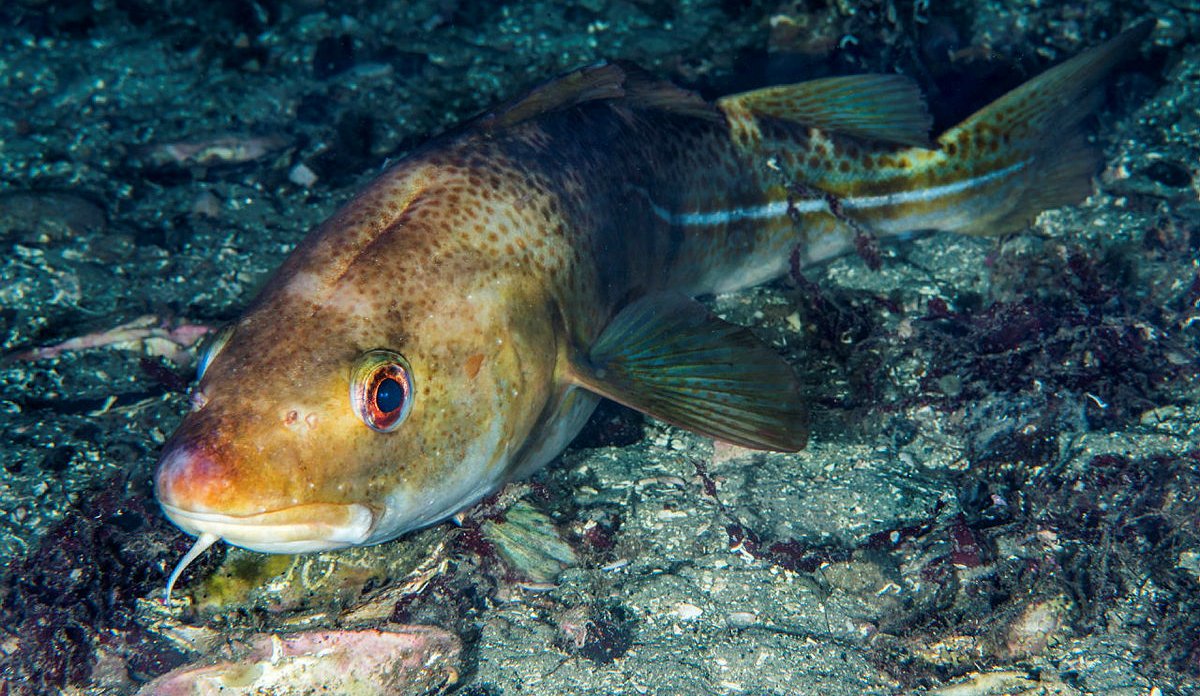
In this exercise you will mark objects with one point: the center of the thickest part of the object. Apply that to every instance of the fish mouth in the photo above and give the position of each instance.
(294, 529)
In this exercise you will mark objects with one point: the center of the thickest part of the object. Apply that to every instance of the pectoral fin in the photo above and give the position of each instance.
(669, 357)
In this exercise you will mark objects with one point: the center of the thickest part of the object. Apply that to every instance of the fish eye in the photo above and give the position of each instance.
(381, 389)
(211, 347)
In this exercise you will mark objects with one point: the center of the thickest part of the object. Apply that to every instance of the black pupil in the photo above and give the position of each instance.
(389, 395)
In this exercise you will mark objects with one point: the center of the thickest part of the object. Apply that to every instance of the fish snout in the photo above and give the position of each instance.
(202, 496)
(191, 479)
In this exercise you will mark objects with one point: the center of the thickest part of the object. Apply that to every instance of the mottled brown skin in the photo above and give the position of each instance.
(482, 260)
(475, 260)
(492, 258)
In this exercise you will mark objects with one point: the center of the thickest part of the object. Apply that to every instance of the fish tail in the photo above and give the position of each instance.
(1025, 152)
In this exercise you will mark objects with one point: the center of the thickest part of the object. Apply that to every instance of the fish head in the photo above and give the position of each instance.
(340, 418)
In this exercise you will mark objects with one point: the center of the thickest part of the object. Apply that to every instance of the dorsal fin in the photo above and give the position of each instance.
(643, 91)
(886, 108)
(604, 81)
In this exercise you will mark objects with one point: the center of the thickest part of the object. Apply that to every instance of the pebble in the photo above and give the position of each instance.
(741, 619)
(1157, 416)
(302, 175)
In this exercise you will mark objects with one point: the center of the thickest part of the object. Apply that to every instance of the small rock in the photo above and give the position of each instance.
(688, 612)
(302, 175)
(43, 217)
(405, 659)
(741, 619)
(1037, 627)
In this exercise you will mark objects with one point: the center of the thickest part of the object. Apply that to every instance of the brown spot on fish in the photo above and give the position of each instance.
(473, 364)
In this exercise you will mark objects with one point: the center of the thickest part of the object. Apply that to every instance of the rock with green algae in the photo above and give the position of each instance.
(330, 583)
(322, 583)
(530, 544)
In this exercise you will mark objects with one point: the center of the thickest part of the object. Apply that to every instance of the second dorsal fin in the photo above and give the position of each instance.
(887, 108)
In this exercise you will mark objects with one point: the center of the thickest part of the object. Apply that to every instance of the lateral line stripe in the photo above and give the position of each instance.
(815, 205)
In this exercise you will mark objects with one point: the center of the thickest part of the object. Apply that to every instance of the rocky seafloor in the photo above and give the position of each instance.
(1002, 489)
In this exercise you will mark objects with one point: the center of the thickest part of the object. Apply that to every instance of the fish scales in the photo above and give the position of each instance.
(453, 326)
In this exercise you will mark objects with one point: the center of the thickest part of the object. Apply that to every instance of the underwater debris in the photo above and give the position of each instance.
(1006, 683)
(394, 599)
(600, 632)
(516, 541)
(401, 659)
(152, 335)
(1079, 539)
(529, 542)
(216, 150)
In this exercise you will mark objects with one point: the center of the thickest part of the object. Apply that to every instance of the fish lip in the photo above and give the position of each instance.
(294, 529)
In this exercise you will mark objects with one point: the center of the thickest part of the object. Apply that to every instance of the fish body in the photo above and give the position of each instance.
(454, 325)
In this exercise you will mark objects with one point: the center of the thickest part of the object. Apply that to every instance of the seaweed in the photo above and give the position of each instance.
(1070, 341)
(601, 632)
(76, 592)
(1068, 335)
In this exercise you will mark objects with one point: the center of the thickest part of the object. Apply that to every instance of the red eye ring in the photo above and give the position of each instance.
(381, 389)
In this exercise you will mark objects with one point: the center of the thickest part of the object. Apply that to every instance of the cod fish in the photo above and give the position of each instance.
(452, 327)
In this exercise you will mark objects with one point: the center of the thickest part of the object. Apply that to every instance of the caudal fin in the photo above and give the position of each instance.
(1032, 134)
